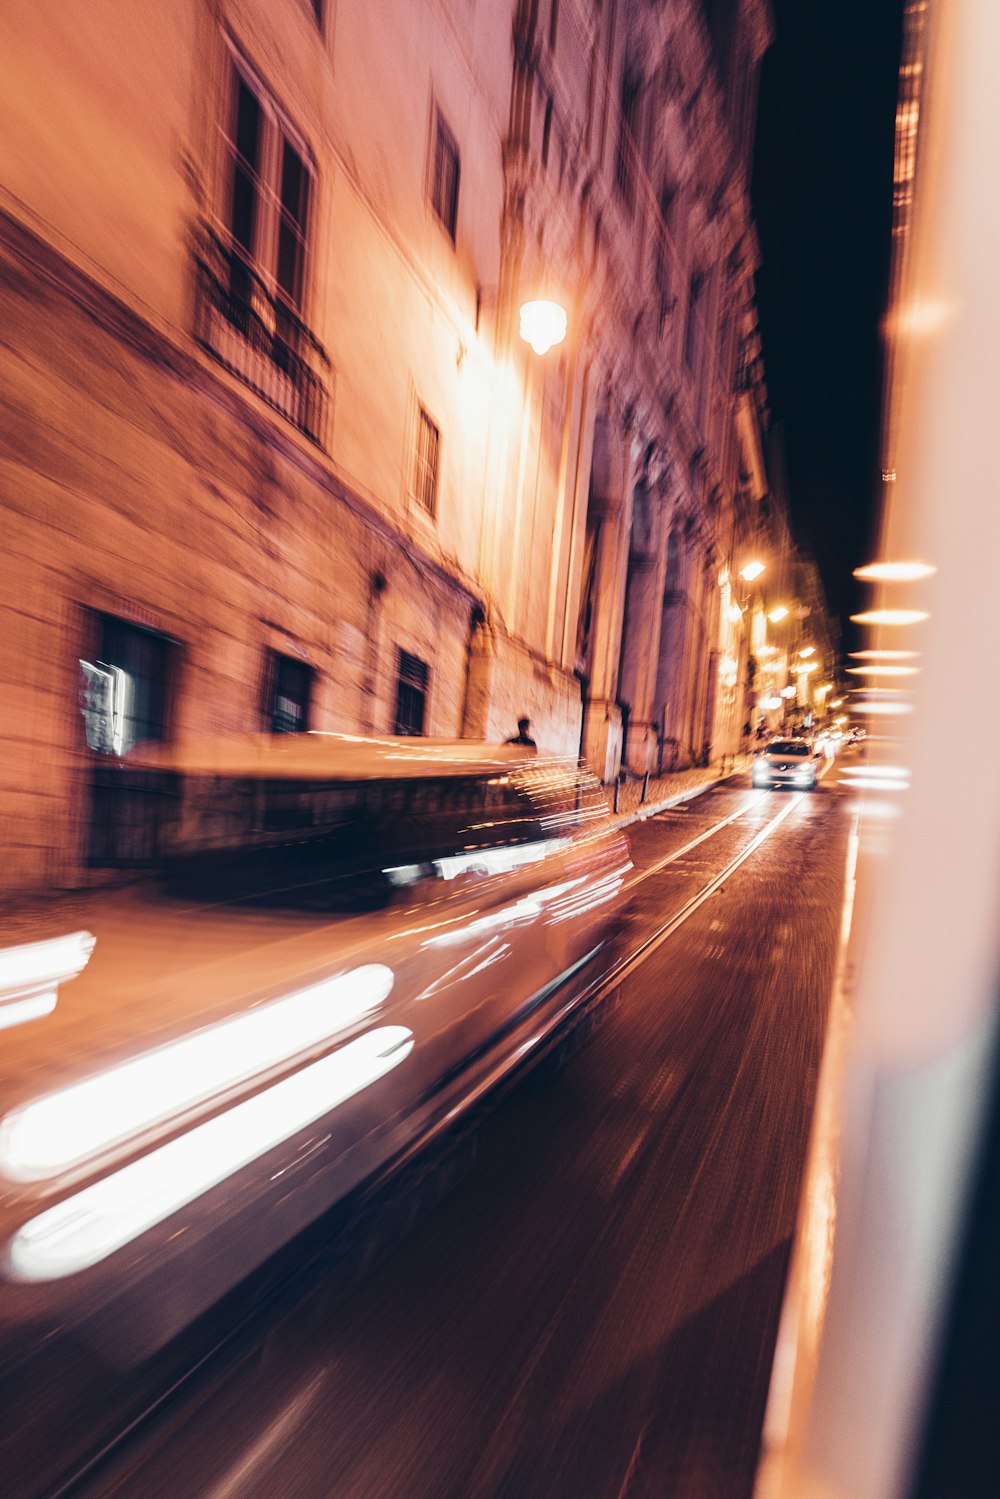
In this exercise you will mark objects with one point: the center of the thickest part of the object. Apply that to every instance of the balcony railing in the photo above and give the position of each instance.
(258, 337)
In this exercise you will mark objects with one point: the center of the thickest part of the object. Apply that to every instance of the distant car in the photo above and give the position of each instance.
(786, 762)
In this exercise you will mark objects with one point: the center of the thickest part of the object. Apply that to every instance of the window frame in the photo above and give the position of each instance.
(278, 133)
(446, 213)
(420, 469)
(408, 660)
(274, 662)
(102, 623)
(627, 150)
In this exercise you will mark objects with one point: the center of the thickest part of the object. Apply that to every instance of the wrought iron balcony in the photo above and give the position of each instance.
(258, 337)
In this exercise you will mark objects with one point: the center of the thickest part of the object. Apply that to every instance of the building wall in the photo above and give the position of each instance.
(143, 480)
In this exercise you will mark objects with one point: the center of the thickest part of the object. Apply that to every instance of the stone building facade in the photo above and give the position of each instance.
(274, 454)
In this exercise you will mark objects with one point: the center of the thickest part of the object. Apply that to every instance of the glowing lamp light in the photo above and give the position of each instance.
(771, 703)
(890, 617)
(543, 325)
(838, 702)
(808, 650)
(788, 692)
(752, 570)
(894, 572)
(778, 614)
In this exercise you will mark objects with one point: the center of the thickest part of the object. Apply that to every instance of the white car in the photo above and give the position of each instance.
(786, 762)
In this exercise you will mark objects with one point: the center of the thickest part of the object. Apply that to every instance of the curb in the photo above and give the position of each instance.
(650, 810)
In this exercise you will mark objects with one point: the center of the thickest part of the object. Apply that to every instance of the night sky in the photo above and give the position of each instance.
(822, 195)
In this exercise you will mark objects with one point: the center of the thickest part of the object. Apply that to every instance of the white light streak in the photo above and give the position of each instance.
(891, 617)
(60, 1131)
(883, 671)
(894, 572)
(30, 975)
(873, 783)
(87, 1227)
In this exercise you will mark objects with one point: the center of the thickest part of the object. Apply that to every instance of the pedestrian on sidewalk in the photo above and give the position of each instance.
(523, 735)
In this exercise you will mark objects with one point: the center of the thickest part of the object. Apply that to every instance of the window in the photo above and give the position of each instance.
(629, 110)
(411, 695)
(124, 702)
(445, 177)
(288, 693)
(691, 331)
(124, 689)
(425, 468)
(251, 262)
(269, 191)
(546, 133)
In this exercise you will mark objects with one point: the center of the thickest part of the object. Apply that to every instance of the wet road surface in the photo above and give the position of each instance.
(592, 1310)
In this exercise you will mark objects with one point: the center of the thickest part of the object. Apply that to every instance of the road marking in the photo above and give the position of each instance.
(234, 1482)
(680, 852)
(656, 940)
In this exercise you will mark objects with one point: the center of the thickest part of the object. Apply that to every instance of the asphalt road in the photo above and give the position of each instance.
(590, 1313)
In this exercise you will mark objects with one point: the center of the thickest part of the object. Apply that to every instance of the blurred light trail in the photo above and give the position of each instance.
(85, 1228)
(883, 671)
(894, 572)
(887, 709)
(62, 1130)
(892, 772)
(883, 655)
(890, 617)
(875, 783)
(30, 975)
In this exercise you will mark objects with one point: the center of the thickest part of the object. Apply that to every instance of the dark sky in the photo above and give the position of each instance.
(822, 195)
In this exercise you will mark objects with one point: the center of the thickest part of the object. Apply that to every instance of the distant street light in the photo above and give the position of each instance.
(752, 570)
(778, 614)
(808, 650)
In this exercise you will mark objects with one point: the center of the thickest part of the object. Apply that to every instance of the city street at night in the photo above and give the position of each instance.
(592, 1309)
(498, 550)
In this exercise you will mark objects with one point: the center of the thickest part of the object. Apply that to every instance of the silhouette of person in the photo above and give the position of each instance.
(523, 735)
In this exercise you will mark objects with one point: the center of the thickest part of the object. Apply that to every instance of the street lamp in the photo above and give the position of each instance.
(808, 650)
(778, 614)
(543, 324)
(752, 570)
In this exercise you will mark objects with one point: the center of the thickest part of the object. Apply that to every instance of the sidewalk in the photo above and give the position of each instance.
(668, 790)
